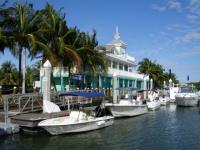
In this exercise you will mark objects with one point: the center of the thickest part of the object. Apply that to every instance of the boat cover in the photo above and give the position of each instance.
(82, 94)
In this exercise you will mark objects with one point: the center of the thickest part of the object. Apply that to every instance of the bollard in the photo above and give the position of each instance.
(14, 89)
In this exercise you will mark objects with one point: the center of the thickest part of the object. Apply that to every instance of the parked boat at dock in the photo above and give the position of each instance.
(164, 100)
(164, 97)
(128, 107)
(77, 121)
(153, 101)
(187, 96)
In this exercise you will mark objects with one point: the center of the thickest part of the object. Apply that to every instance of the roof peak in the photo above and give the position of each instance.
(117, 34)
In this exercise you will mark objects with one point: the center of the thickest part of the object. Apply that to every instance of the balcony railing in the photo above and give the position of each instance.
(133, 74)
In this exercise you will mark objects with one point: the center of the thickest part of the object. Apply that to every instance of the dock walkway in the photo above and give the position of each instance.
(31, 120)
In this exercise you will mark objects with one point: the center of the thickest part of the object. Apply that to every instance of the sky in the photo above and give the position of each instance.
(165, 31)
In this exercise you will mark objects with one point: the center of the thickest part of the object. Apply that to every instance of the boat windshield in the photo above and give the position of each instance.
(187, 90)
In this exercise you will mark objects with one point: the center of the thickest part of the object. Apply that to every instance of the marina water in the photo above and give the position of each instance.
(170, 127)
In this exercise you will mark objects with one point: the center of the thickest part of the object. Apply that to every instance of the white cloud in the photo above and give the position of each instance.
(192, 17)
(178, 28)
(169, 5)
(194, 51)
(174, 4)
(194, 6)
(187, 38)
(159, 8)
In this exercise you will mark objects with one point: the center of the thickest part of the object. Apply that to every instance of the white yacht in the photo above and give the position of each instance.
(186, 96)
(127, 107)
(153, 101)
(76, 122)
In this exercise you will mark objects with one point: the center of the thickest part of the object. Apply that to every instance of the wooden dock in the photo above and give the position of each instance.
(31, 120)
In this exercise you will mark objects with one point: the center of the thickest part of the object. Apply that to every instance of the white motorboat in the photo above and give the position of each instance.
(164, 100)
(153, 101)
(127, 107)
(76, 122)
(164, 97)
(153, 105)
(187, 96)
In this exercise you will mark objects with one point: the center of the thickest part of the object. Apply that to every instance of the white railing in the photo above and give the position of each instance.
(134, 74)
(125, 57)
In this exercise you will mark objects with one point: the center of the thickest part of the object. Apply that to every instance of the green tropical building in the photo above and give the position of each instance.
(119, 63)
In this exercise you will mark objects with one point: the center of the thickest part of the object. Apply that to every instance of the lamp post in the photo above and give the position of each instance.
(164, 84)
(170, 82)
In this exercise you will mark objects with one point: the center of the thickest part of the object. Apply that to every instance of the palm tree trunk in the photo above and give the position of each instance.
(24, 73)
(20, 69)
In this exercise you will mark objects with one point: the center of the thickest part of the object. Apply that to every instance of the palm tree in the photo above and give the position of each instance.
(93, 57)
(52, 34)
(155, 71)
(18, 24)
(171, 76)
(8, 73)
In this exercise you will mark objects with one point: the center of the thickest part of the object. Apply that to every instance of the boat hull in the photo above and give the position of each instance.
(187, 101)
(153, 105)
(84, 126)
(118, 110)
(164, 101)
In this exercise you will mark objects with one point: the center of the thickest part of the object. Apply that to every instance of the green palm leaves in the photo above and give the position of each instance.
(155, 72)
(45, 34)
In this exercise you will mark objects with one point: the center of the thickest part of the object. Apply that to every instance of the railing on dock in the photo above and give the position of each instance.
(23, 102)
(32, 102)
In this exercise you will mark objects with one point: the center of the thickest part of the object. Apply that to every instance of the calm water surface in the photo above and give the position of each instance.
(168, 128)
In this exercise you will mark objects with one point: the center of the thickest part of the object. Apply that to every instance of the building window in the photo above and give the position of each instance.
(139, 84)
(126, 83)
(130, 68)
(120, 83)
(130, 83)
(126, 67)
(114, 65)
(120, 66)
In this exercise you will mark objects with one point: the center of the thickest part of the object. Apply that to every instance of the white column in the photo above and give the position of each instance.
(41, 76)
(164, 84)
(111, 64)
(151, 84)
(114, 88)
(145, 87)
(47, 81)
(48, 106)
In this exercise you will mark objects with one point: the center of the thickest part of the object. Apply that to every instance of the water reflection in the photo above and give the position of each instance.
(170, 127)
